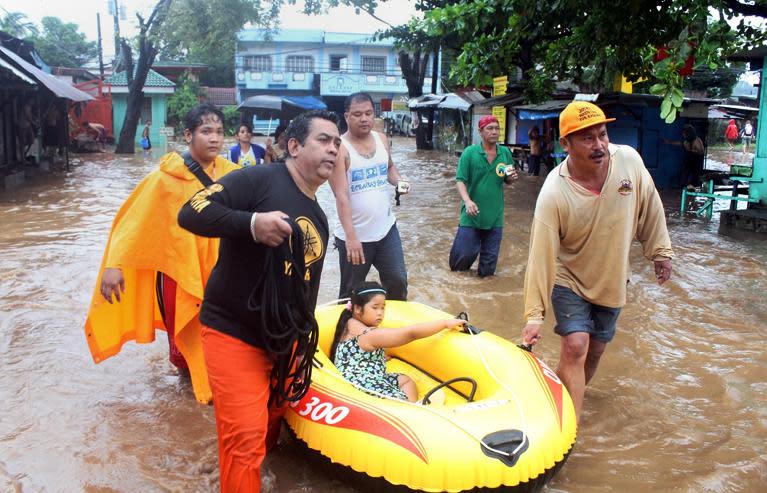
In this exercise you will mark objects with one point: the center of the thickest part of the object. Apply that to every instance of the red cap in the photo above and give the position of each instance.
(487, 120)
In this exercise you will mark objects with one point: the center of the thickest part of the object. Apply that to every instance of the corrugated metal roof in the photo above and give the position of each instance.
(546, 106)
(58, 87)
(18, 73)
(153, 79)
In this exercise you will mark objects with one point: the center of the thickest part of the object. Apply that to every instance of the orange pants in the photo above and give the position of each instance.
(239, 376)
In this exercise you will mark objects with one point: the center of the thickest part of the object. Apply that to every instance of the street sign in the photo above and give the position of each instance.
(499, 85)
(167, 131)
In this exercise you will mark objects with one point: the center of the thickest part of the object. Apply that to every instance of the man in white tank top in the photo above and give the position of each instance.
(362, 182)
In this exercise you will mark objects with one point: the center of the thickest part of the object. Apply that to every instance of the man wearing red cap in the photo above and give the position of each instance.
(482, 171)
(589, 210)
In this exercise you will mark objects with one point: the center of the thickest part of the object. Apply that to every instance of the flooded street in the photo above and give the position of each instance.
(679, 403)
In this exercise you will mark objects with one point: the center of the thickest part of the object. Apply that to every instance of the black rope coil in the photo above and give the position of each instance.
(289, 329)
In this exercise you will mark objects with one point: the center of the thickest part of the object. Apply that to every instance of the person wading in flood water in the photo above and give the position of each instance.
(589, 210)
(259, 333)
(150, 261)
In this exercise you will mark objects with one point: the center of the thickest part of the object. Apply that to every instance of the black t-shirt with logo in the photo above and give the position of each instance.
(224, 210)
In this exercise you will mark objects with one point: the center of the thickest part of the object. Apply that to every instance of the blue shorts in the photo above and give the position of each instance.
(574, 314)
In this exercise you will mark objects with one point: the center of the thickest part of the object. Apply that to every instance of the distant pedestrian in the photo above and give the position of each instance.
(97, 133)
(731, 134)
(276, 149)
(146, 142)
(244, 152)
(694, 156)
(747, 135)
(482, 171)
(54, 134)
(536, 145)
(27, 128)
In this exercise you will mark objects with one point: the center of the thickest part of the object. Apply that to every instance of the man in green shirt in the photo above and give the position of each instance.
(482, 171)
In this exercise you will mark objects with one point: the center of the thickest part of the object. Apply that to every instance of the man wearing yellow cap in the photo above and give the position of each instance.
(589, 210)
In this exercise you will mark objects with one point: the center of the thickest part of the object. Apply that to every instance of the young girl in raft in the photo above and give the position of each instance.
(358, 345)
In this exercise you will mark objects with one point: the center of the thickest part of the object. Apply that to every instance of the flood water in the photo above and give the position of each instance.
(679, 403)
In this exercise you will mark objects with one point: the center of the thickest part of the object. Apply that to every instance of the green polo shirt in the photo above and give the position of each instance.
(485, 187)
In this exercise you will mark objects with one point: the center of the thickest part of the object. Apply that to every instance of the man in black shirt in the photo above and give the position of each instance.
(257, 212)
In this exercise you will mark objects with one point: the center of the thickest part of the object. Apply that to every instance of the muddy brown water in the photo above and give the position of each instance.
(678, 404)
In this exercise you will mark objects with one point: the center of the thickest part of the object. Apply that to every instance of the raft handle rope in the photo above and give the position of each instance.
(290, 331)
(447, 383)
(505, 387)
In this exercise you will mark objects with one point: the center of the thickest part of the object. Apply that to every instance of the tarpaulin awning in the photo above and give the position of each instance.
(57, 87)
(269, 102)
(307, 102)
(448, 101)
(542, 111)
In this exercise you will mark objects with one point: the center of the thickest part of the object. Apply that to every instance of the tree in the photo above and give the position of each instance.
(416, 47)
(61, 44)
(17, 25)
(149, 31)
(190, 30)
(717, 83)
(205, 31)
(592, 41)
(185, 97)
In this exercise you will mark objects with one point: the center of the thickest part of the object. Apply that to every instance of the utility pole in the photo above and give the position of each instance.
(114, 11)
(101, 56)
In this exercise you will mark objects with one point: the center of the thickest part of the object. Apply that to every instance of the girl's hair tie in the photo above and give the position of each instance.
(349, 305)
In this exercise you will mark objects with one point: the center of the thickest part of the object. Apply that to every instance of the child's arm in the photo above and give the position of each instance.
(388, 338)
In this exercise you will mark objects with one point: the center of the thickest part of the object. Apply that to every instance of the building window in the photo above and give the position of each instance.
(299, 63)
(257, 63)
(374, 64)
(338, 63)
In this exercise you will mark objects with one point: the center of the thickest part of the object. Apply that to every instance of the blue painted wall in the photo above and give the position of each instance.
(159, 117)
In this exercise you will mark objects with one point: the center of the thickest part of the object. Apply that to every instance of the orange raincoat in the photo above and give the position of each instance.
(146, 238)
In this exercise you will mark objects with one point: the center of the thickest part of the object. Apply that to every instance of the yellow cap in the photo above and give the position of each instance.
(579, 115)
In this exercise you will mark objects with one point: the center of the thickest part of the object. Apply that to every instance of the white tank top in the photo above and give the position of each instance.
(370, 193)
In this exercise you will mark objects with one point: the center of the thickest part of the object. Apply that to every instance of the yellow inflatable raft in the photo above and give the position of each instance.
(499, 417)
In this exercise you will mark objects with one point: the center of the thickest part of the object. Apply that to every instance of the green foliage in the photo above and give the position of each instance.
(590, 41)
(18, 25)
(717, 83)
(205, 31)
(186, 97)
(61, 44)
(231, 119)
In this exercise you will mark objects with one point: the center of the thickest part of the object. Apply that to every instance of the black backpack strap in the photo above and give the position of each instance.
(196, 170)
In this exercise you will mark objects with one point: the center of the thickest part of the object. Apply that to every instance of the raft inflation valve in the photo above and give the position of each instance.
(506, 445)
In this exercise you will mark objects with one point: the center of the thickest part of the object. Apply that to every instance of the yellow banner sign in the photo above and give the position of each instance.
(500, 113)
(399, 106)
(499, 85)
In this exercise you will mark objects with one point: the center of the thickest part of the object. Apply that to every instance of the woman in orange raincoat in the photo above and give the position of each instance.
(153, 272)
